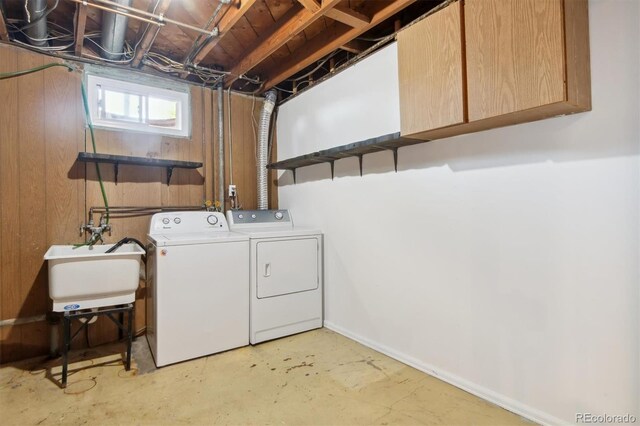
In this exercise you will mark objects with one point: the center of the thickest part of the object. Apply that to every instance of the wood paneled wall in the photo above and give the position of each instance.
(45, 194)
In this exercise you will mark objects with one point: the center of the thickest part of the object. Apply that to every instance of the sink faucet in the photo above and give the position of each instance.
(96, 231)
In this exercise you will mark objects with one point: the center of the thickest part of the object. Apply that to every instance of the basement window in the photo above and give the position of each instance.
(116, 104)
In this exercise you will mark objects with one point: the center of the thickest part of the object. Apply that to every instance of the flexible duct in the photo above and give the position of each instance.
(263, 149)
(114, 28)
(37, 22)
(221, 146)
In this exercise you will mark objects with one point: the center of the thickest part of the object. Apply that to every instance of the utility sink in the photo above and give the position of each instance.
(88, 277)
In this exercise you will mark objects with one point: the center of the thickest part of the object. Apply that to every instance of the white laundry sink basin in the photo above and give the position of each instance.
(87, 277)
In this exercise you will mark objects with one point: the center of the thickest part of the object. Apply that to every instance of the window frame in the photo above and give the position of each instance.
(145, 91)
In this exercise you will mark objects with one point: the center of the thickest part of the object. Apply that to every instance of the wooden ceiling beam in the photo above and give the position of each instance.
(4, 34)
(328, 41)
(147, 34)
(348, 16)
(289, 25)
(80, 23)
(311, 5)
(236, 11)
(355, 46)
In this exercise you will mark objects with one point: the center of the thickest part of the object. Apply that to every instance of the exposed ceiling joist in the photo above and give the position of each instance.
(348, 16)
(80, 23)
(148, 33)
(328, 41)
(311, 5)
(355, 46)
(4, 34)
(289, 25)
(236, 11)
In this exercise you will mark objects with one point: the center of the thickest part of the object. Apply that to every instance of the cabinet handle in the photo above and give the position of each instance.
(267, 269)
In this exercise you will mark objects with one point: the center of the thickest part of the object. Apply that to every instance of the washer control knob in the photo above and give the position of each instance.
(279, 215)
(240, 216)
(212, 219)
(166, 220)
(177, 220)
(253, 216)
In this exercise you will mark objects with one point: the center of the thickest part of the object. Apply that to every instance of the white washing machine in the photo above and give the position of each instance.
(286, 264)
(197, 286)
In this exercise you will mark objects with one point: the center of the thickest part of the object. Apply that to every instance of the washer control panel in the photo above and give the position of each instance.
(188, 222)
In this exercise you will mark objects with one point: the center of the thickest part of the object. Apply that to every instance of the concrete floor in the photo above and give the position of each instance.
(319, 378)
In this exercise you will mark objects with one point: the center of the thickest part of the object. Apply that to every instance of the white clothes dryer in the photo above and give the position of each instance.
(286, 273)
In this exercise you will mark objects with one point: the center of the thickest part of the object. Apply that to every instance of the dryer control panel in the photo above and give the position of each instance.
(187, 222)
(269, 219)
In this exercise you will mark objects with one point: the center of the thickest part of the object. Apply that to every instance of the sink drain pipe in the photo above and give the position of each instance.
(263, 149)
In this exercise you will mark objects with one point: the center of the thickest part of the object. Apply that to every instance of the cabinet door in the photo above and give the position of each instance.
(515, 55)
(430, 69)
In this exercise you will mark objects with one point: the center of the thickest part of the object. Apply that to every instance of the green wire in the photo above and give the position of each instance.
(4, 76)
(93, 144)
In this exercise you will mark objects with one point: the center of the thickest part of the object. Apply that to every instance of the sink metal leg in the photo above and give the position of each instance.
(120, 331)
(127, 329)
(129, 340)
(66, 342)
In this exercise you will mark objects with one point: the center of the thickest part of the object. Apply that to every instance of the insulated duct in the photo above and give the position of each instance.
(37, 22)
(263, 149)
(114, 28)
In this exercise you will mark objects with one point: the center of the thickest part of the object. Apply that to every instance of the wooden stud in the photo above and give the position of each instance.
(233, 15)
(292, 23)
(148, 34)
(325, 43)
(348, 16)
(4, 34)
(80, 24)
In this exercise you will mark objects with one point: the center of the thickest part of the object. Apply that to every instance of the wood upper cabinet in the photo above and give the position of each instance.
(479, 64)
(526, 54)
(430, 59)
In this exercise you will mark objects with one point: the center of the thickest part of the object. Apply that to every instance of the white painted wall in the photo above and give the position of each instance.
(506, 261)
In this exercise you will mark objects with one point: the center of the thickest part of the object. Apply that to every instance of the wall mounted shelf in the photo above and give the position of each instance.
(390, 142)
(116, 160)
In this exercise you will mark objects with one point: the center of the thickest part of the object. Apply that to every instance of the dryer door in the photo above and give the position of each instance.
(286, 266)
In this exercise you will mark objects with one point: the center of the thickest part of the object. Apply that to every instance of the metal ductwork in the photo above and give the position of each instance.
(114, 28)
(36, 22)
(263, 149)
(221, 147)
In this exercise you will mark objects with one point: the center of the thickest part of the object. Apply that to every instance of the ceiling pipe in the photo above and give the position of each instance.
(37, 22)
(139, 14)
(114, 28)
